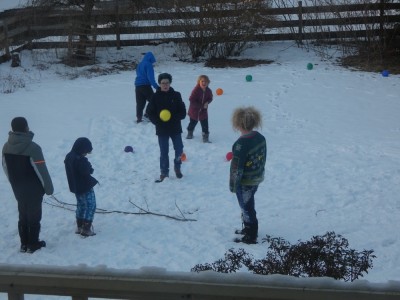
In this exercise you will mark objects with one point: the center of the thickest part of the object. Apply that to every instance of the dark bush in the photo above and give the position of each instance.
(233, 261)
(322, 256)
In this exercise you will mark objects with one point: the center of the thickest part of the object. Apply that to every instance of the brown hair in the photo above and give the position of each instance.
(203, 77)
(246, 118)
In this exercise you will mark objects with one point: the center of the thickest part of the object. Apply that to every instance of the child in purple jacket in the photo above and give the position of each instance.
(198, 109)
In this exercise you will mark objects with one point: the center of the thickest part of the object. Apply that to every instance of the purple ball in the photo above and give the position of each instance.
(128, 149)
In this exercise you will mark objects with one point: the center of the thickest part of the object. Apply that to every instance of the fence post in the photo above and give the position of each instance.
(6, 43)
(31, 21)
(14, 296)
(382, 23)
(79, 298)
(70, 50)
(300, 33)
(117, 25)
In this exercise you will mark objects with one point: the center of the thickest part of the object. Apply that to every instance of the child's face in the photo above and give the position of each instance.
(203, 83)
(164, 85)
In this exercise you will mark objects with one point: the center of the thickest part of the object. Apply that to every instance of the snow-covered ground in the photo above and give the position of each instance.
(10, 4)
(333, 160)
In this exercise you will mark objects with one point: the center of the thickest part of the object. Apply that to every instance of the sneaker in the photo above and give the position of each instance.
(23, 248)
(162, 177)
(178, 173)
(246, 239)
(37, 246)
(139, 121)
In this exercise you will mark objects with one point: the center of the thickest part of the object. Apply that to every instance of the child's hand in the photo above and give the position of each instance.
(206, 105)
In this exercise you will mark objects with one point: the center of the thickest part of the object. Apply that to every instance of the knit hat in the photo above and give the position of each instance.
(19, 124)
(164, 76)
(82, 146)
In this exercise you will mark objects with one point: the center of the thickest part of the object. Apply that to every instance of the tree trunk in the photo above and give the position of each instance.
(85, 29)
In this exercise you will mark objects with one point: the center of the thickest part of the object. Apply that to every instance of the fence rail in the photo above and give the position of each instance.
(80, 283)
(26, 27)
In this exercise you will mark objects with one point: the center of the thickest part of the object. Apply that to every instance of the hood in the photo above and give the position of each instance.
(18, 142)
(149, 56)
(82, 146)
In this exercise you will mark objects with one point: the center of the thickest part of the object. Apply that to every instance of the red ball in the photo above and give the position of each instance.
(219, 91)
(229, 156)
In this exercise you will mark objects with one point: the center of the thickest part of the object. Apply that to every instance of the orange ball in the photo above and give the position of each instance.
(219, 91)
(183, 156)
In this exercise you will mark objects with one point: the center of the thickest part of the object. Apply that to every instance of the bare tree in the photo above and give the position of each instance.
(370, 36)
(81, 28)
(220, 28)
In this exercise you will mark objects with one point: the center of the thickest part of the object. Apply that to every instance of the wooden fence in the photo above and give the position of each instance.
(116, 25)
(80, 283)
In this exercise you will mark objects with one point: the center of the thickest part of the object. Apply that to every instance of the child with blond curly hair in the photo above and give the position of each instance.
(247, 168)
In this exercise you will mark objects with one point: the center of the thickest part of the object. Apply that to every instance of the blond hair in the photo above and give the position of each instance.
(246, 118)
(205, 77)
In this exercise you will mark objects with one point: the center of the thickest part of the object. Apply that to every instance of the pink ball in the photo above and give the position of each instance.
(229, 156)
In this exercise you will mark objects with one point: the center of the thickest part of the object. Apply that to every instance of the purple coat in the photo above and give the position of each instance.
(197, 100)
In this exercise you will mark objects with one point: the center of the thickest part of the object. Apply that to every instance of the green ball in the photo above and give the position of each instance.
(249, 78)
(310, 66)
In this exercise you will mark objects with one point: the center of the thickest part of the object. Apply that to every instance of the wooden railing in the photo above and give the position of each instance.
(80, 283)
(25, 27)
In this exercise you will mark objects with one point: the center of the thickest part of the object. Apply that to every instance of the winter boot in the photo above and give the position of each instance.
(33, 247)
(250, 232)
(190, 134)
(79, 224)
(87, 229)
(162, 177)
(247, 239)
(178, 172)
(33, 239)
(242, 231)
(23, 235)
(246, 228)
(205, 138)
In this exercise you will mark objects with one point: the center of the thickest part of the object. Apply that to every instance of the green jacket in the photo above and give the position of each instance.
(248, 162)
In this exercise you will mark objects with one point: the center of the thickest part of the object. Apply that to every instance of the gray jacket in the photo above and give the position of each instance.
(24, 165)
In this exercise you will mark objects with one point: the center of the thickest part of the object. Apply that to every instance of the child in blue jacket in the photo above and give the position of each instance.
(143, 84)
(79, 174)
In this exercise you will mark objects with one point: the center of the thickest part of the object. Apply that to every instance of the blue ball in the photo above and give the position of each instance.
(385, 73)
(249, 78)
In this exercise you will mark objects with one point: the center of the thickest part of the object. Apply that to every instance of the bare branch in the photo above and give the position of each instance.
(71, 207)
(144, 211)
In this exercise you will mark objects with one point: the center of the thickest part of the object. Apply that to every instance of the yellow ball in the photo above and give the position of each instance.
(165, 115)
